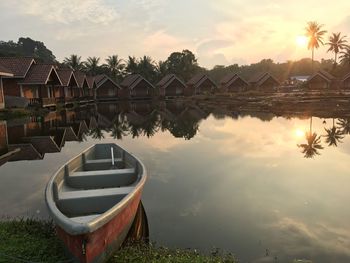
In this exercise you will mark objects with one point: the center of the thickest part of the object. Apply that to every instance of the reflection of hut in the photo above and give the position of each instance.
(4, 72)
(136, 87)
(264, 82)
(321, 80)
(233, 83)
(346, 81)
(27, 152)
(200, 84)
(171, 86)
(106, 88)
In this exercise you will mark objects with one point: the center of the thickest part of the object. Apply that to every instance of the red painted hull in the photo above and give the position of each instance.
(99, 245)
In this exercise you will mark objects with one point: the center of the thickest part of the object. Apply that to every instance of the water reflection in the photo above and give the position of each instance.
(32, 138)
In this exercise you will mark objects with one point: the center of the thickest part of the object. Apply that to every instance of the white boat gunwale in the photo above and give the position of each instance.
(75, 228)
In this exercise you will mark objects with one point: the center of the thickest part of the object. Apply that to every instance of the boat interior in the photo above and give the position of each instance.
(95, 181)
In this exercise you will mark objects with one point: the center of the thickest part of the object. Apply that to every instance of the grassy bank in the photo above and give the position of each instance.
(35, 241)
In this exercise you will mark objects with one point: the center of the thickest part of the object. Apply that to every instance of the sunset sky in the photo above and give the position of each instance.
(218, 32)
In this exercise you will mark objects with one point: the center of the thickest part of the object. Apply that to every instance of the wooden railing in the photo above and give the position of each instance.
(48, 102)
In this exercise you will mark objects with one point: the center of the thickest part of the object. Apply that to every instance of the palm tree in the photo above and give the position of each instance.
(74, 62)
(336, 44)
(315, 34)
(344, 126)
(345, 57)
(147, 68)
(119, 129)
(115, 66)
(97, 133)
(161, 69)
(333, 136)
(132, 65)
(91, 65)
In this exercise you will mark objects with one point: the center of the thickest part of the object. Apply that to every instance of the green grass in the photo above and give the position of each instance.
(31, 240)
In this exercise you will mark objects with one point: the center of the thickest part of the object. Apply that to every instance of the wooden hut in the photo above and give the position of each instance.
(91, 87)
(136, 87)
(264, 82)
(233, 83)
(4, 72)
(200, 84)
(171, 86)
(106, 89)
(346, 81)
(38, 86)
(82, 90)
(69, 83)
(19, 67)
(321, 80)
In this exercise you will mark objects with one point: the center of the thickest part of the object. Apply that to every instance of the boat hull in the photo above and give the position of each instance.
(99, 245)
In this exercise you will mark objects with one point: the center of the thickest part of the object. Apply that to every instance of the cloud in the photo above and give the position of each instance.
(67, 11)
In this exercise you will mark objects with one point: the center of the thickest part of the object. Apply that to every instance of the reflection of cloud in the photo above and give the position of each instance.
(299, 237)
(193, 210)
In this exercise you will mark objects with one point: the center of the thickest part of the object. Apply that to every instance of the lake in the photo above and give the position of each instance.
(247, 183)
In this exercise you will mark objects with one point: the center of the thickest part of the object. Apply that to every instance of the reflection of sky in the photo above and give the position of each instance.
(241, 185)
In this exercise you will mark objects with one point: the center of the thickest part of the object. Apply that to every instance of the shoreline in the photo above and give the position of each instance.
(35, 240)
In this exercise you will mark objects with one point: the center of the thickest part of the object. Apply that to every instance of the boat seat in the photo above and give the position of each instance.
(87, 202)
(103, 161)
(102, 179)
(104, 172)
(94, 193)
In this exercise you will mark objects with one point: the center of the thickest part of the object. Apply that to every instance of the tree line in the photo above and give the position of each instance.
(185, 63)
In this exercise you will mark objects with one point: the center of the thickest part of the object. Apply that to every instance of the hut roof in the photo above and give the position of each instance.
(5, 72)
(167, 80)
(346, 77)
(81, 78)
(198, 79)
(228, 78)
(39, 74)
(323, 74)
(18, 66)
(233, 80)
(101, 79)
(132, 81)
(260, 78)
(66, 75)
(91, 82)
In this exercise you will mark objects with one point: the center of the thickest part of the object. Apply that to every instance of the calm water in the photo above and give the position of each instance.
(223, 179)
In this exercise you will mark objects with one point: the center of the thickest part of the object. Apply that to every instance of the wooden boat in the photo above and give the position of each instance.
(93, 200)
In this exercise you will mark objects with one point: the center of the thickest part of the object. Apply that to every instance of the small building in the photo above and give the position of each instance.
(82, 89)
(321, 80)
(233, 83)
(200, 84)
(91, 87)
(38, 86)
(19, 67)
(264, 82)
(136, 87)
(4, 72)
(69, 83)
(171, 86)
(106, 89)
(346, 81)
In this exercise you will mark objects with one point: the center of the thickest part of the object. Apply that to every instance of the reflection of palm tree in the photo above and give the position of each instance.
(310, 149)
(97, 133)
(333, 136)
(119, 129)
(344, 126)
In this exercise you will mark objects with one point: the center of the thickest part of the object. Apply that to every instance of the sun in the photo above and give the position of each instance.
(301, 41)
(299, 133)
